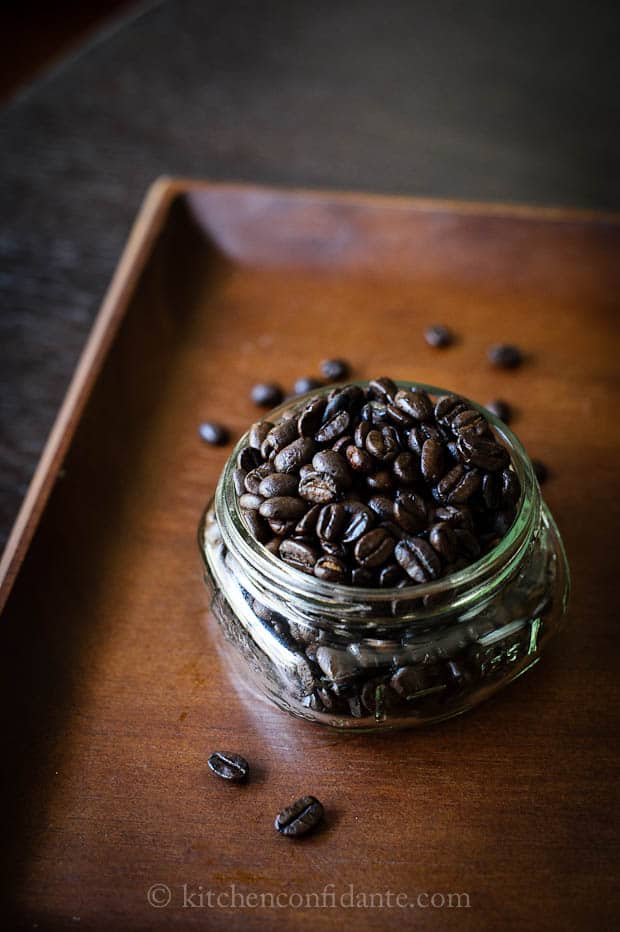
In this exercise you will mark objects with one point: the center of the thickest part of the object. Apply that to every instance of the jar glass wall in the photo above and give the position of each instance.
(356, 658)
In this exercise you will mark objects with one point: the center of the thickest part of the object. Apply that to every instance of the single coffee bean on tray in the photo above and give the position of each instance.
(215, 434)
(266, 394)
(300, 817)
(505, 356)
(438, 336)
(228, 766)
(377, 486)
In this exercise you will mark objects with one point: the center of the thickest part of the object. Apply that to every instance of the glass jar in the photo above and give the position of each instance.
(355, 658)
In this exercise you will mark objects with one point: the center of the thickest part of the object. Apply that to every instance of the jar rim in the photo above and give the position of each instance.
(289, 580)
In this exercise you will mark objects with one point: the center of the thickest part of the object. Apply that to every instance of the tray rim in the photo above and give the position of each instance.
(135, 254)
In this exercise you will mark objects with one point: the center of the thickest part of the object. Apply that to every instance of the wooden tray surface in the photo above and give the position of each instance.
(115, 692)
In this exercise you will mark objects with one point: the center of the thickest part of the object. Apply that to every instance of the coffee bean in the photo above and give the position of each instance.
(389, 575)
(333, 428)
(410, 512)
(311, 416)
(505, 356)
(374, 548)
(254, 478)
(359, 460)
(350, 399)
(458, 486)
(307, 526)
(306, 384)
(266, 394)
(277, 484)
(362, 576)
(416, 404)
(251, 502)
(500, 409)
(438, 336)
(541, 471)
(293, 456)
(229, 766)
(406, 468)
(511, 490)
(340, 445)
(300, 817)
(335, 369)
(432, 460)
(487, 454)
(330, 522)
(383, 444)
(470, 421)
(334, 465)
(443, 539)
(380, 481)
(299, 553)
(239, 480)
(283, 508)
(359, 521)
(447, 407)
(318, 488)
(215, 434)
(383, 389)
(258, 433)
(280, 436)
(330, 568)
(492, 490)
(257, 527)
(418, 559)
(382, 506)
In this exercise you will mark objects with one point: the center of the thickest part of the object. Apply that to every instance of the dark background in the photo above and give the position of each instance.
(478, 100)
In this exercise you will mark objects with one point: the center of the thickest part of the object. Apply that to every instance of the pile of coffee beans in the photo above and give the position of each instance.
(377, 486)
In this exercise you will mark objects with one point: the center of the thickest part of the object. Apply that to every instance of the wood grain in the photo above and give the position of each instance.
(115, 690)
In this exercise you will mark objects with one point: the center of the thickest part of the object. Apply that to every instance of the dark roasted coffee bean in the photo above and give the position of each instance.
(500, 409)
(410, 512)
(334, 465)
(382, 506)
(318, 488)
(257, 527)
(280, 527)
(239, 480)
(398, 417)
(335, 427)
(283, 508)
(492, 490)
(299, 553)
(418, 559)
(453, 451)
(307, 526)
(447, 407)
(510, 489)
(311, 416)
(458, 486)
(258, 433)
(359, 520)
(486, 454)
(415, 440)
(541, 471)
(335, 369)
(383, 389)
(229, 766)
(278, 483)
(250, 502)
(341, 444)
(383, 444)
(505, 356)
(359, 460)
(406, 468)
(350, 398)
(254, 478)
(374, 548)
(443, 539)
(362, 576)
(438, 336)
(470, 421)
(381, 481)
(266, 394)
(390, 575)
(306, 384)
(375, 413)
(416, 404)
(248, 459)
(214, 434)
(300, 817)
(330, 522)
(331, 569)
(361, 432)
(333, 549)
(432, 460)
(280, 436)
(296, 454)
(455, 516)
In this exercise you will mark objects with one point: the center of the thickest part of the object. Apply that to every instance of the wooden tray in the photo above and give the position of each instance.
(115, 693)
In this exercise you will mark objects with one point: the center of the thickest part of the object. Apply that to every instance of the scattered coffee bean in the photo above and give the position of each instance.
(335, 370)
(438, 336)
(215, 434)
(500, 409)
(229, 766)
(505, 356)
(266, 394)
(306, 384)
(300, 817)
(541, 471)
